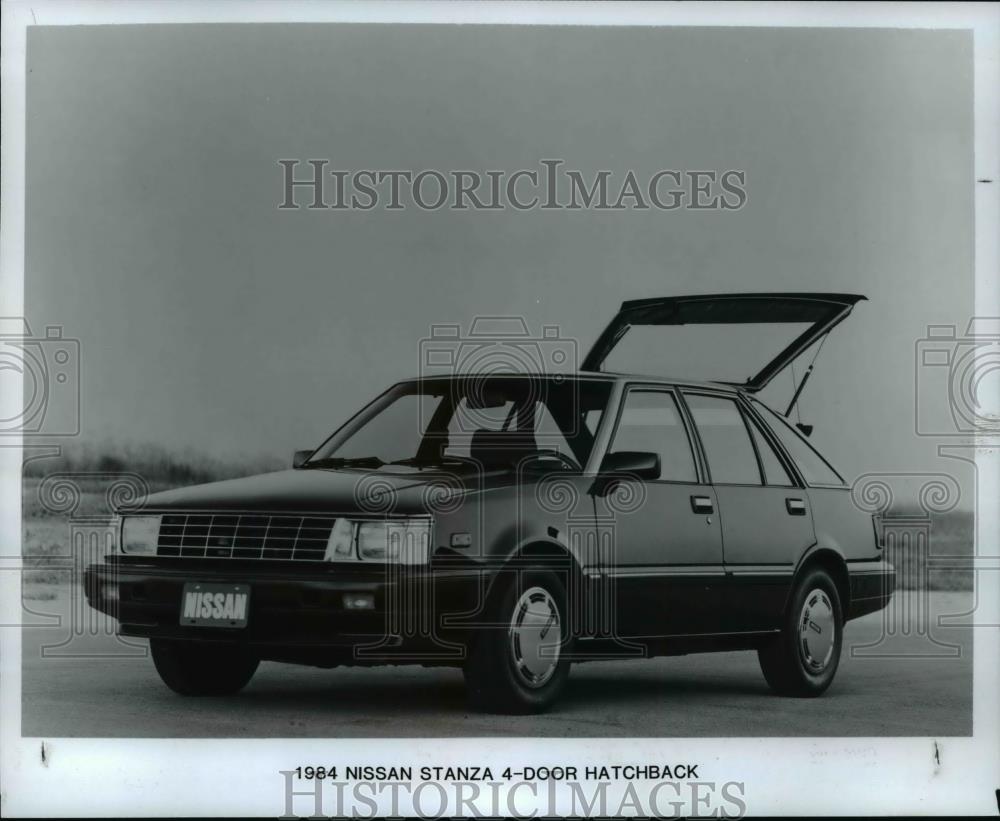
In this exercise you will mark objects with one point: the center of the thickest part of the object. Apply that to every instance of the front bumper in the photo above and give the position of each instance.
(296, 609)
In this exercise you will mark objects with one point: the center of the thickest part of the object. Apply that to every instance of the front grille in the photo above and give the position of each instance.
(252, 536)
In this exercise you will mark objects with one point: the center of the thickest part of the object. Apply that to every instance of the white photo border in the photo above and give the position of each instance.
(186, 777)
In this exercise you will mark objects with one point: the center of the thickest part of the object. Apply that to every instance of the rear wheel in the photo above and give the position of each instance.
(517, 664)
(195, 669)
(803, 660)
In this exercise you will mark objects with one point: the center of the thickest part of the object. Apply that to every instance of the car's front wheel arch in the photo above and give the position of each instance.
(518, 661)
(551, 555)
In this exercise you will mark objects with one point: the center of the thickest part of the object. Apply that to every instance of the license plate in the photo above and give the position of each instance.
(215, 605)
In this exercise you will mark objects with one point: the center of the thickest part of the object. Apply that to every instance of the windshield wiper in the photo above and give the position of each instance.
(417, 462)
(345, 462)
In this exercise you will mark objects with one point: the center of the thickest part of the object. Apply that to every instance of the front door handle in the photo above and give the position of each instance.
(795, 507)
(701, 504)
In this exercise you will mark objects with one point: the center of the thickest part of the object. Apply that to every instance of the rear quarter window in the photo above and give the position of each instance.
(813, 467)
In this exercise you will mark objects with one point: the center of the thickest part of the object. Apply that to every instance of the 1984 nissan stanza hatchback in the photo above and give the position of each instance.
(510, 524)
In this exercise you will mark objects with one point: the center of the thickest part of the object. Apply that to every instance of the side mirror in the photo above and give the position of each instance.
(806, 429)
(639, 464)
(300, 457)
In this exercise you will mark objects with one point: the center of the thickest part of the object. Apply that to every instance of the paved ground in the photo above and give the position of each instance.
(901, 687)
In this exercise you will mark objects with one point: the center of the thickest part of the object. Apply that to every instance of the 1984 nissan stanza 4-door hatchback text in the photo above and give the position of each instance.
(511, 524)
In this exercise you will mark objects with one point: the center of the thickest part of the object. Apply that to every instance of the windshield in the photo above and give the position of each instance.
(495, 422)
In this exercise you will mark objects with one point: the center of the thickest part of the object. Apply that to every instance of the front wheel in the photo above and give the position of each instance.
(517, 663)
(803, 660)
(195, 669)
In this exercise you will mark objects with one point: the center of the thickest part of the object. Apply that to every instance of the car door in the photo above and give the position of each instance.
(667, 542)
(766, 520)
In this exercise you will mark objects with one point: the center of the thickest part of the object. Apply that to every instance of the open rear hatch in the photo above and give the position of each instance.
(800, 320)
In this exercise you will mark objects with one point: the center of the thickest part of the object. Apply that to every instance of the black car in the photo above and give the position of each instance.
(511, 524)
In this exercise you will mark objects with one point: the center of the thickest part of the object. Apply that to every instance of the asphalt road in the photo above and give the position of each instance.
(904, 684)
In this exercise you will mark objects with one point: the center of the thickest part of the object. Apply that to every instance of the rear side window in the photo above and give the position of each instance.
(651, 421)
(724, 435)
(814, 468)
(774, 471)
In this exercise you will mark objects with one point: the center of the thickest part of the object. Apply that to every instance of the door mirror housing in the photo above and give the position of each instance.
(626, 464)
(300, 457)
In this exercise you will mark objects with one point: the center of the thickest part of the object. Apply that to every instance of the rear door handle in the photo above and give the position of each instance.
(795, 507)
(701, 504)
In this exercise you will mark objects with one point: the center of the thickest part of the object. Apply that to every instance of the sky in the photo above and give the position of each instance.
(211, 320)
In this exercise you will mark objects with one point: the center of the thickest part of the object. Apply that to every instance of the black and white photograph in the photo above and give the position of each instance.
(500, 409)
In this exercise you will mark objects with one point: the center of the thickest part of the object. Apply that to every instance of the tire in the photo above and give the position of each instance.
(195, 669)
(803, 660)
(505, 673)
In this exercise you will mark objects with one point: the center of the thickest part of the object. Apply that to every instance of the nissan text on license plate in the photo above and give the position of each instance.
(215, 605)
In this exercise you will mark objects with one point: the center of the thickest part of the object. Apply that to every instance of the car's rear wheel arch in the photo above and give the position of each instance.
(833, 563)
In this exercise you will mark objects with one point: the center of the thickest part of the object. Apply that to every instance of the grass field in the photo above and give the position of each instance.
(46, 515)
(76, 487)
(944, 565)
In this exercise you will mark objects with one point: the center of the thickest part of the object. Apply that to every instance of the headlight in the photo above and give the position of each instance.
(139, 535)
(340, 545)
(404, 542)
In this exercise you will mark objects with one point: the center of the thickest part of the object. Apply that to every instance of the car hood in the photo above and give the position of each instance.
(320, 491)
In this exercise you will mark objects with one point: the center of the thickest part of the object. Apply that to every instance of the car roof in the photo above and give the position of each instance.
(597, 376)
(666, 380)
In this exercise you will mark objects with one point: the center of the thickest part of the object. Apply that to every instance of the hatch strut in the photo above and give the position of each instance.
(805, 376)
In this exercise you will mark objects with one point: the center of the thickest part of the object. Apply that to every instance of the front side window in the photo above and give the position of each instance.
(651, 421)
(814, 468)
(725, 438)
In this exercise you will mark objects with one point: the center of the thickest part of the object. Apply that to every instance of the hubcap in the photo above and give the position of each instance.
(817, 631)
(535, 636)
